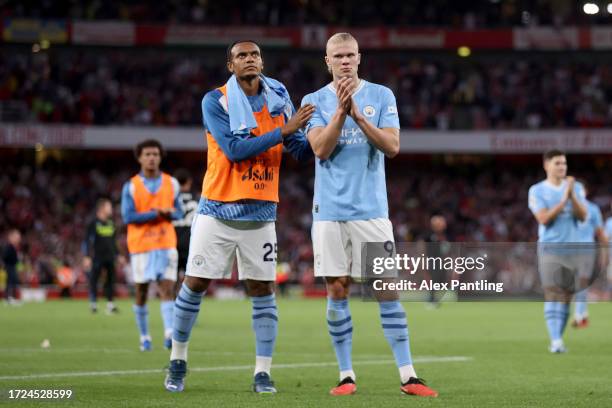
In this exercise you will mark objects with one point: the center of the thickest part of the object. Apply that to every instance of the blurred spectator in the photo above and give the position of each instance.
(483, 201)
(437, 245)
(10, 258)
(470, 15)
(66, 278)
(165, 88)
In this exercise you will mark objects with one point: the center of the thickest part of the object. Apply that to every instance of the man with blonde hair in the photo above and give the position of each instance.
(355, 125)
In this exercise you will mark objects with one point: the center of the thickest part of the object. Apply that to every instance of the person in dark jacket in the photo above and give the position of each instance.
(183, 226)
(10, 258)
(101, 251)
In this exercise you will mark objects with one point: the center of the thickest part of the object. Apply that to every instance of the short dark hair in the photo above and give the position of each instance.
(148, 143)
(102, 201)
(553, 153)
(182, 176)
(232, 45)
(436, 213)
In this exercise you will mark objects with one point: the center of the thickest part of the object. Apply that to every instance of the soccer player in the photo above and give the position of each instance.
(589, 232)
(10, 258)
(354, 127)
(437, 247)
(608, 227)
(100, 249)
(149, 203)
(248, 121)
(608, 231)
(558, 203)
(183, 226)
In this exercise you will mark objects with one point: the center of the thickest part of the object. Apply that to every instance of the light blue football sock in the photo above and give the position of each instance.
(581, 310)
(550, 316)
(167, 312)
(564, 312)
(142, 319)
(554, 319)
(340, 326)
(186, 309)
(395, 329)
(265, 324)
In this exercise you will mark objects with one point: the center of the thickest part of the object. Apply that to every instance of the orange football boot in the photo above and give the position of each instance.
(345, 387)
(416, 386)
(580, 324)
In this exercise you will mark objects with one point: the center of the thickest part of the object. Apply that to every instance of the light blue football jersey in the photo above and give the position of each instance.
(587, 228)
(608, 229)
(564, 228)
(351, 184)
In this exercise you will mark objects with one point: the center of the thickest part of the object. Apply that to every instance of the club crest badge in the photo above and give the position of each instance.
(369, 111)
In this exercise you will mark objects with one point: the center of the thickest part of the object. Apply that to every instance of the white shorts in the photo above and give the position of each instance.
(337, 244)
(144, 272)
(586, 264)
(215, 243)
(558, 270)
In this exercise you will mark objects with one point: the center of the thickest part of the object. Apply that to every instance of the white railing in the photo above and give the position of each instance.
(412, 141)
(13, 111)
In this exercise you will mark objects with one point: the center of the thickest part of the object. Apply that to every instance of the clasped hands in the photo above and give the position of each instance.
(344, 91)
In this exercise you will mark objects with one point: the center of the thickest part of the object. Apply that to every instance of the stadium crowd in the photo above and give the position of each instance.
(483, 203)
(157, 88)
(479, 13)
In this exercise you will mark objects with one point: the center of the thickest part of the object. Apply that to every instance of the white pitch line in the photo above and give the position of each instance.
(424, 359)
(57, 350)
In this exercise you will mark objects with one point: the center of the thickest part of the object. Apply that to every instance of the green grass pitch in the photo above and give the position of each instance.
(497, 356)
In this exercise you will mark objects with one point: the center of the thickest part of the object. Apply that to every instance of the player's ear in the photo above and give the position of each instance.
(328, 64)
(358, 58)
(230, 66)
